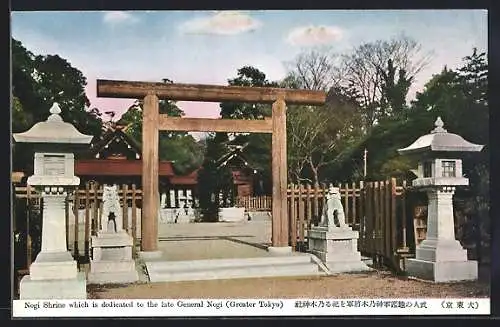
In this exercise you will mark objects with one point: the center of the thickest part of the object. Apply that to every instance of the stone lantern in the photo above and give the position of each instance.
(54, 273)
(440, 257)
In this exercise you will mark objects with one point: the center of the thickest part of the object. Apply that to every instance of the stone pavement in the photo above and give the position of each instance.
(214, 240)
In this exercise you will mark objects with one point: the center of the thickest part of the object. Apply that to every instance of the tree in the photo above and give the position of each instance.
(185, 153)
(315, 134)
(308, 144)
(21, 119)
(218, 179)
(362, 71)
(251, 77)
(316, 69)
(179, 147)
(457, 96)
(460, 98)
(394, 91)
(38, 81)
(258, 147)
(213, 180)
(133, 117)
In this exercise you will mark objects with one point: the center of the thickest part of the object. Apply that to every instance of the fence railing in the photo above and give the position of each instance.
(384, 232)
(389, 225)
(254, 203)
(83, 215)
(378, 210)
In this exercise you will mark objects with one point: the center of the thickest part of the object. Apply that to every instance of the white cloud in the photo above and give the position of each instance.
(116, 17)
(223, 23)
(314, 35)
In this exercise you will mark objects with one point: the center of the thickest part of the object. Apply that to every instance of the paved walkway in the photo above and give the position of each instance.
(196, 241)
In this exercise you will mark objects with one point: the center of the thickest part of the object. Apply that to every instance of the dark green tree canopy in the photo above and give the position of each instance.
(179, 147)
(459, 97)
(38, 81)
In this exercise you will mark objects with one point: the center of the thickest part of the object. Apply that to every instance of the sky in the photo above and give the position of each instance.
(207, 47)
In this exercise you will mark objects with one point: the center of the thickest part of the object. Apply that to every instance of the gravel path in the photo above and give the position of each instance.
(225, 240)
(371, 285)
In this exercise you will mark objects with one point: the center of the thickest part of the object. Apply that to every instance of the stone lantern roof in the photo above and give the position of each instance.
(439, 140)
(53, 130)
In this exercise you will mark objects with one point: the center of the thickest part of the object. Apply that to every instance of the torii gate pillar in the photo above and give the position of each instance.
(153, 122)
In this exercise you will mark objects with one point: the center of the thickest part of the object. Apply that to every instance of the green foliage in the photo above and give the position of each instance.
(38, 81)
(208, 191)
(459, 97)
(382, 143)
(21, 119)
(394, 92)
(247, 76)
(133, 118)
(185, 153)
(214, 180)
(370, 71)
(179, 147)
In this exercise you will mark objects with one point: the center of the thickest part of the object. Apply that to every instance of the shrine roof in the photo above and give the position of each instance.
(112, 167)
(112, 134)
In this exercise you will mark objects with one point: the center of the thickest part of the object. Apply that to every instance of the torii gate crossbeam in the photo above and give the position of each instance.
(153, 122)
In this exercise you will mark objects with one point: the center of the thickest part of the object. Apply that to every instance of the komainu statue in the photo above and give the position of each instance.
(111, 218)
(333, 212)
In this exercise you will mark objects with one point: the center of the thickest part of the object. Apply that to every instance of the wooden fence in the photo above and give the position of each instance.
(254, 203)
(88, 200)
(390, 219)
(378, 210)
(383, 230)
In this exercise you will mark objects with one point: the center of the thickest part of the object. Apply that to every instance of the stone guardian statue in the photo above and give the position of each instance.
(333, 212)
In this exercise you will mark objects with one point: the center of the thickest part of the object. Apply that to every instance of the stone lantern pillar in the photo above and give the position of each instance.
(440, 257)
(54, 273)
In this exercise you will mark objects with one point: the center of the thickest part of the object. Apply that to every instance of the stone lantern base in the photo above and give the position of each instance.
(53, 275)
(442, 261)
(337, 248)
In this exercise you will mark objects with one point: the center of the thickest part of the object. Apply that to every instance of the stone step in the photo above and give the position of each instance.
(226, 263)
(242, 271)
(119, 277)
(109, 266)
(367, 260)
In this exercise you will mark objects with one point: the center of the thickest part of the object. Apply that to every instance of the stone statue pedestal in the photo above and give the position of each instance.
(333, 241)
(232, 214)
(54, 274)
(337, 248)
(167, 215)
(184, 216)
(112, 261)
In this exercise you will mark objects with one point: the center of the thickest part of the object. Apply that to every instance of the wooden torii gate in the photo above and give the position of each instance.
(153, 122)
